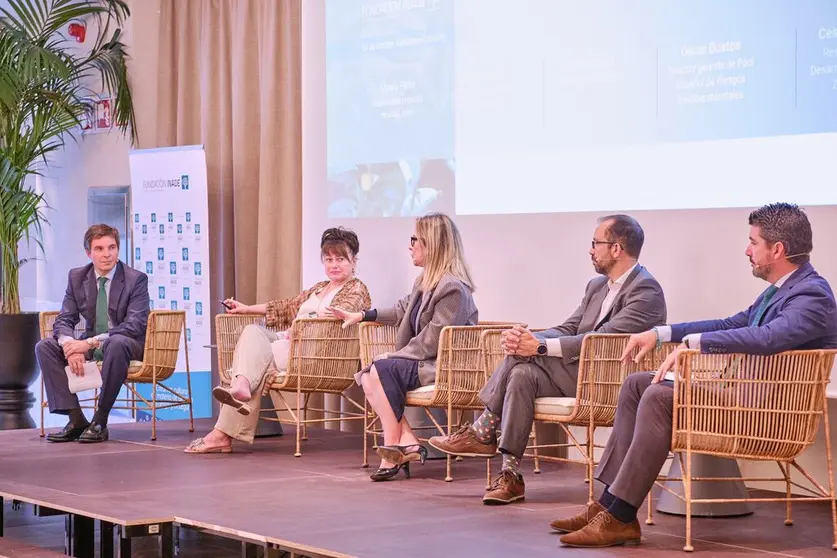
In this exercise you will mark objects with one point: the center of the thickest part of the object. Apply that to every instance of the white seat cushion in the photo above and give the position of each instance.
(424, 394)
(562, 406)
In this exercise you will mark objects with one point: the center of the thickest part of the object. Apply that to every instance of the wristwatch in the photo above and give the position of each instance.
(92, 341)
(542, 348)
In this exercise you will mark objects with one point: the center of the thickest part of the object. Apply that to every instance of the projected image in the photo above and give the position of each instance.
(580, 105)
(396, 189)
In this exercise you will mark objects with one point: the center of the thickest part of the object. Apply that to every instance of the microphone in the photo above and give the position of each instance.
(786, 257)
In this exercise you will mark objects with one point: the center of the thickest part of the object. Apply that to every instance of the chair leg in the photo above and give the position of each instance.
(305, 414)
(535, 449)
(298, 422)
(488, 473)
(788, 511)
(829, 462)
(189, 395)
(42, 405)
(687, 491)
(154, 408)
(590, 465)
(365, 463)
(448, 476)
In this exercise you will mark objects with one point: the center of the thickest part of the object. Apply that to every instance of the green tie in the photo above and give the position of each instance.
(755, 319)
(101, 315)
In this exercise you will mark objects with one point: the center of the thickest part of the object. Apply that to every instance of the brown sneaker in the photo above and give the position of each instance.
(505, 489)
(604, 530)
(463, 443)
(578, 521)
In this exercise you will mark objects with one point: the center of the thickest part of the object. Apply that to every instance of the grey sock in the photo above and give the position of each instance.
(485, 427)
(511, 463)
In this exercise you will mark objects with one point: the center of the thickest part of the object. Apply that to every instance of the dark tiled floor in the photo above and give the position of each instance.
(324, 500)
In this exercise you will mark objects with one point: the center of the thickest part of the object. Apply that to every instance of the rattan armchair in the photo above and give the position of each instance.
(323, 358)
(600, 377)
(460, 375)
(162, 343)
(762, 408)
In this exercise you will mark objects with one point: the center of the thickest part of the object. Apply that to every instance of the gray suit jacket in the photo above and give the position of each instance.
(449, 304)
(128, 303)
(639, 306)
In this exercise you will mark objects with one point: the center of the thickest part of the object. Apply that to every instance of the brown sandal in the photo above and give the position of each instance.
(225, 397)
(199, 446)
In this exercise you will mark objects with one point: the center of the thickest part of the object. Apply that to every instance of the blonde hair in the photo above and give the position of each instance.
(443, 251)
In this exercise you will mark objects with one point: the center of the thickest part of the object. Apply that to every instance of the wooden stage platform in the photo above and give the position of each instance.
(323, 503)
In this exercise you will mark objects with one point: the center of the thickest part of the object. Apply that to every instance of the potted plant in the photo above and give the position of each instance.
(47, 87)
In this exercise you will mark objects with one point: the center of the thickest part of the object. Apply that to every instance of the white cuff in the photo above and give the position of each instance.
(665, 333)
(63, 339)
(102, 336)
(694, 341)
(553, 347)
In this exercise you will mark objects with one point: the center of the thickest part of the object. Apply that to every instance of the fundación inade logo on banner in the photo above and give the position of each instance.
(181, 183)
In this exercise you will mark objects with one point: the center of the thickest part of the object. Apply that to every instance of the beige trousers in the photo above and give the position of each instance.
(252, 358)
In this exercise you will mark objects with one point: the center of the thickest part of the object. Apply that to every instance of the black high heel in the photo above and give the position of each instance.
(385, 474)
(397, 454)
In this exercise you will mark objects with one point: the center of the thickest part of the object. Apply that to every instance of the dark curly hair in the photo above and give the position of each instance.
(339, 241)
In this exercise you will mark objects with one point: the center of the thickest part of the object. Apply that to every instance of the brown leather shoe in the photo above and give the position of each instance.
(578, 521)
(505, 489)
(604, 530)
(463, 443)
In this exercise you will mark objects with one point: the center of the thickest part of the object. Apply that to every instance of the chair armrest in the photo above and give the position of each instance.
(228, 328)
(375, 339)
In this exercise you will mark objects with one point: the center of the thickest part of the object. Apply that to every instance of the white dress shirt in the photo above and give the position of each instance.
(694, 338)
(553, 346)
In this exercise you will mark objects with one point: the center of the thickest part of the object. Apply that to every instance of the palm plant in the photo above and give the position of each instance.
(46, 88)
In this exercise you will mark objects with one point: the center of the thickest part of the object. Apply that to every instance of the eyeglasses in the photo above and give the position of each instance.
(413, 240)
(594, 242)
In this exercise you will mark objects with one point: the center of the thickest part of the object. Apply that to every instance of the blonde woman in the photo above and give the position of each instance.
(441, 296)
(256, 350)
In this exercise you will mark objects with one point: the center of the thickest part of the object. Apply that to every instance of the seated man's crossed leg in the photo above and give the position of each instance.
(509, 397)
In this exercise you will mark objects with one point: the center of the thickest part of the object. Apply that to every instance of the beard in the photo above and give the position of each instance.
(762, 272)
(603, 267)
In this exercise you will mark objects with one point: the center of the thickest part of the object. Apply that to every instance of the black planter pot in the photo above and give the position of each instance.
(18, 368)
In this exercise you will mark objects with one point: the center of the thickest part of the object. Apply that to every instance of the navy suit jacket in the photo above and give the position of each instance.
(801, 315)
(128, 303)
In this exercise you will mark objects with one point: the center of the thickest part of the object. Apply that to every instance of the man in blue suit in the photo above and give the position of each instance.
(797, 311)
(113, 298)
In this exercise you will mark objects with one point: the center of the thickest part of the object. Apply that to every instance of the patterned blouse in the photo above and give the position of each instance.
(353, 296)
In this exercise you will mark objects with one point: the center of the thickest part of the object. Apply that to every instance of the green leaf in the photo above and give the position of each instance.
(46, 85)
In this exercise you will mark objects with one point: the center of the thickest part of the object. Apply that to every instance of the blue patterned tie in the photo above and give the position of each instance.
(755, 319)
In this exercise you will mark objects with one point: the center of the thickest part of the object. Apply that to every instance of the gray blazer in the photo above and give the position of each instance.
(128, 303)
(449, 304)
(639, 306)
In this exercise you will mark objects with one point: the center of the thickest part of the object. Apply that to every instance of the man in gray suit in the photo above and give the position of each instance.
(113, 299)
(625, 299)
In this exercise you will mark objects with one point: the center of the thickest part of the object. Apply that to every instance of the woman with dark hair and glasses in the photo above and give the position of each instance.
(254, 354)
(441, 296)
